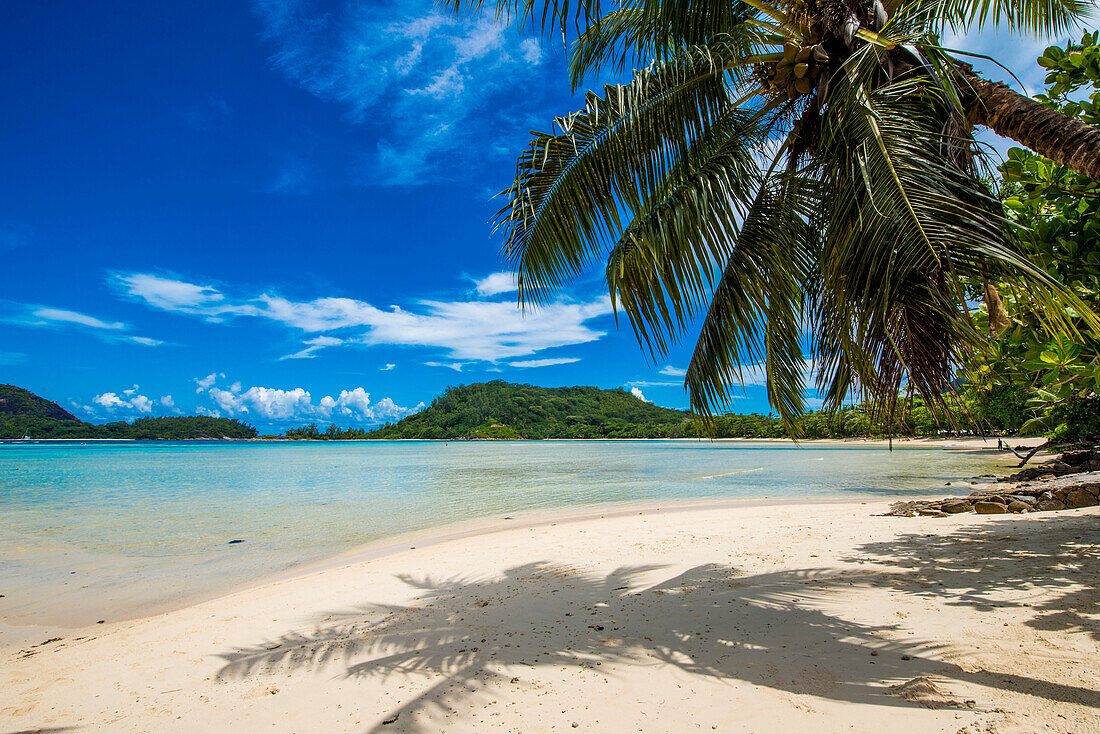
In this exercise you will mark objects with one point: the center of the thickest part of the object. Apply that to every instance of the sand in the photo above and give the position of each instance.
(745, 618)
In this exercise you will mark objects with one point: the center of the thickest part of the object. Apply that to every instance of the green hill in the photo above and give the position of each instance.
(506, 410)
(17, 401)
(22, 413)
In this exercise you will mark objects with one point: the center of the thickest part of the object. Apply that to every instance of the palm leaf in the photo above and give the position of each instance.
(574, 189)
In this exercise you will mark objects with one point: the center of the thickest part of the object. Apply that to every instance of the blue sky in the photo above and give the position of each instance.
(280, 211)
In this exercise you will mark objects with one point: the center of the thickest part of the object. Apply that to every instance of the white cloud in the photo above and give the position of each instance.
(495, 284)
(463, 330)
(207, 381)
(167, 401)
(47, 317)
(638, 394)
(673, 371)
(418, 71)
(296, 404)
(129, 401)
(177, 296)
(62, 316)
(312, 346)
(389, 366)
(544, 362)
(141, 403)
(456, 366)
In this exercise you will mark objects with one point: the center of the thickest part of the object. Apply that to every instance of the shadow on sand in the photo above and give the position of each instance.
(469, 633)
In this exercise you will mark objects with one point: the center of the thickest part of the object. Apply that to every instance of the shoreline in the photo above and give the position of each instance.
(946, 442)
(12, 634)
(746, 617)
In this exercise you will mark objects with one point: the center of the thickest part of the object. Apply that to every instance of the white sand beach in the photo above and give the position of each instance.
(746, 618)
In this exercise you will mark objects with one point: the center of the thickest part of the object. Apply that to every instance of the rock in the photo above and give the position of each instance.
(931, 512)
(1048, 505)
(986, 507)
(1080, 498)
(1022, 498)
(956, 507)
(1018, 506)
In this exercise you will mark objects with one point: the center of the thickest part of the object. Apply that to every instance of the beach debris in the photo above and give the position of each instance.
(923, 691)
(1066, 492)
(391, 720)
(235, 541)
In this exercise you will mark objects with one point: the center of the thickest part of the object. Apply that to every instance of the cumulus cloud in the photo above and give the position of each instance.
(281, 405)
(416, 72)
(205, 382)
(461, 330)
(129, 401)
(495, 284)
(638, 394)
(167, 401)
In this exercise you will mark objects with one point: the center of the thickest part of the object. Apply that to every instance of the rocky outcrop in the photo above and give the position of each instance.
(1055, 493)
(1071, 462)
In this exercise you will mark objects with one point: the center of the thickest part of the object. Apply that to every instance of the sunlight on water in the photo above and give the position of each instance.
(101, 530)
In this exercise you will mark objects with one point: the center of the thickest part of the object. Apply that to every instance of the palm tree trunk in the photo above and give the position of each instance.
(1046, 131)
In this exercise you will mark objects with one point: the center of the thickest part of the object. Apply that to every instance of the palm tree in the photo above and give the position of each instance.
(801, 174)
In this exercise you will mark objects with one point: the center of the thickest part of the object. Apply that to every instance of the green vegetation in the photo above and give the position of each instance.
(22, 413)
(1043, 382)
(789, 174)
(505, 410)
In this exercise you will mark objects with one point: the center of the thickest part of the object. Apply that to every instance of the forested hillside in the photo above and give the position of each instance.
(506, 410)
(22, 413)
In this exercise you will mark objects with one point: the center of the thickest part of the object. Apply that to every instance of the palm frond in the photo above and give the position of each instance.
(1029, 17)
(661, 271)
(646, 31)
(907, 219)
(574, 189)
(755, 315)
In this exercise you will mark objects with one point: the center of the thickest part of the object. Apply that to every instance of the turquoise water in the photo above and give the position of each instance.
(100, 530)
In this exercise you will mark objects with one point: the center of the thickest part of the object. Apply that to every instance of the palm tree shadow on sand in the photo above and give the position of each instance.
(474, 634)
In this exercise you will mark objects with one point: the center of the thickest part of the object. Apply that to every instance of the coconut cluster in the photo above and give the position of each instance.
(797, 73)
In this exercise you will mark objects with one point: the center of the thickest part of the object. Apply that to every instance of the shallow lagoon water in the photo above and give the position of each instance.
(104, 530)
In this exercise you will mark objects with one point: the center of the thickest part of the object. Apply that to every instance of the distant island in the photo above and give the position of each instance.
(494, 410)
(22, 413)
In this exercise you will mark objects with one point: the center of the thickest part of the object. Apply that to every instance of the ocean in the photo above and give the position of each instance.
(111, 530)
